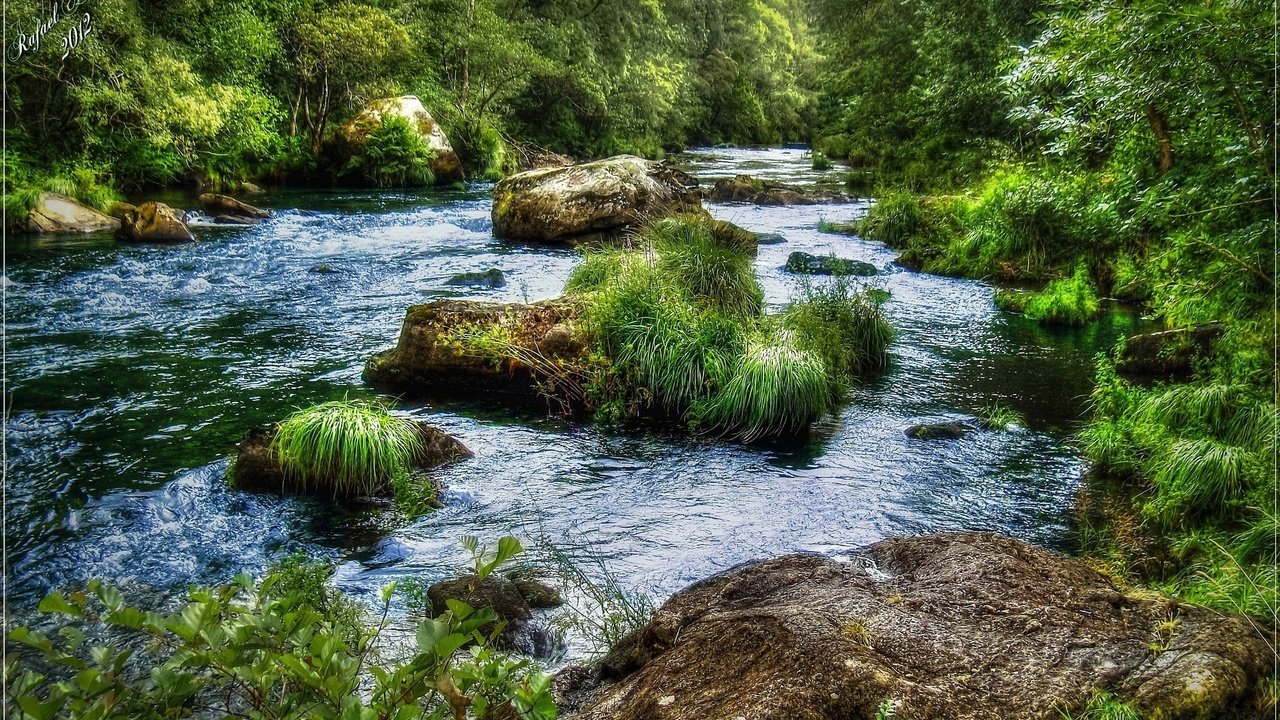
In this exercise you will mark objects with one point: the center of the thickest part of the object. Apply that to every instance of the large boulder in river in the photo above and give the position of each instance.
(596, 198)
(956, 626)
(153, 222)
(56, 213)
(433, 358)
(257, 467)
(445, 164)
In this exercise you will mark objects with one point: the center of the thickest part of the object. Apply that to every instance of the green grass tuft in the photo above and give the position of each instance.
(999, 417)
(1104, 706)
(775, 389)
(347, 447)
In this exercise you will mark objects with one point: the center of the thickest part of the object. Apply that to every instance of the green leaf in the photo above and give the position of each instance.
(56, 602)
(459, 609)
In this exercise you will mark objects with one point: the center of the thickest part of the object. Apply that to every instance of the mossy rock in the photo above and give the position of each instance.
(429, 360)
(939, 431)
(802, 263)
(513, 601)
(567, 204)
(492, 278)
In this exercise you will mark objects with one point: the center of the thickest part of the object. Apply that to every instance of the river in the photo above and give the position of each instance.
(134, 370)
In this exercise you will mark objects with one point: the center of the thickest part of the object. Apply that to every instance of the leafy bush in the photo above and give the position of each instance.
(264, 651)
(999, 417)
(394, 155)
(348, 447)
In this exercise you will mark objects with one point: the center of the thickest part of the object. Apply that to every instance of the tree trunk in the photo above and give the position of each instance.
(1160, 126)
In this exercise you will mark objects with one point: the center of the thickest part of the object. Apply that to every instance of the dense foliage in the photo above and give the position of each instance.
(1143, 170)
(288, 647)
(160, 93)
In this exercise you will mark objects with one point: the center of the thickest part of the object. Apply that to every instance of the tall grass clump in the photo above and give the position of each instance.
(1200, 458)
(843, 325)
(775, 389)
(711, 271)
(895, 218)
(348, 447)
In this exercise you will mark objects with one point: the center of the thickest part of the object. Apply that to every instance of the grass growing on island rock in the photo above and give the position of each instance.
(679, 316)
(351, 447)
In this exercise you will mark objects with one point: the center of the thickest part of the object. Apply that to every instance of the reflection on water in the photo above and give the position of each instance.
(134, 370)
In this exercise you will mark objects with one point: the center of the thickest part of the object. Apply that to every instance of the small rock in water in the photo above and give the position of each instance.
(769, 239)
(492, 278)
(802, 263)
(939, 431)
(234, 220)
(324, 269)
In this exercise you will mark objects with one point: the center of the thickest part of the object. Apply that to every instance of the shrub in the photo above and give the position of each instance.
(348, 447)
(999, 417)
(821, 161)
(394, 154)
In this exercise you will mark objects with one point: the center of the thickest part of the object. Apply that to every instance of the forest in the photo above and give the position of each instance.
(1087, 160)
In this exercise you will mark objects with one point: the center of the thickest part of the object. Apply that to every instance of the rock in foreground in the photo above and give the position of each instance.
(602, 197)
(961, 626)
(55, 213)
(430, 359)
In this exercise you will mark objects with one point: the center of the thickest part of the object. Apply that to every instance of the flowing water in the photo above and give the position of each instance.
(134, 370)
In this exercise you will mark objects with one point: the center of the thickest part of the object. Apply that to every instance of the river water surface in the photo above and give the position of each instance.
(134, 370)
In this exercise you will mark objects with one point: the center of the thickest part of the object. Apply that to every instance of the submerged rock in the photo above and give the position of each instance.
(218, 206)
(744, 188)
(56, 213)
(323, 269)
(602, 197)
(1168, 353)
(954, 626)
(939, 431)
(492, 278)
(153, 222)
(430, 359)
(769, 239)
(257, 468)
(512, 599)
(445, 164)
(802, 263)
